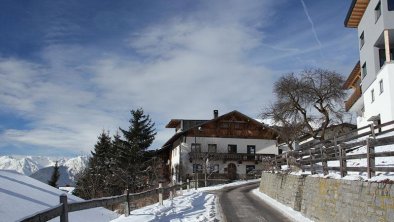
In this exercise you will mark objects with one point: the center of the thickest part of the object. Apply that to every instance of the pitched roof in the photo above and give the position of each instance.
(167, 145)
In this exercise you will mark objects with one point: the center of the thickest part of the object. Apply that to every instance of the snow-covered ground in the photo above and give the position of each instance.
(198, 205)
(22, 196)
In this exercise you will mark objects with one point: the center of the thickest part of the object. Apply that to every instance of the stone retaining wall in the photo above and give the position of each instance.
(331, 200)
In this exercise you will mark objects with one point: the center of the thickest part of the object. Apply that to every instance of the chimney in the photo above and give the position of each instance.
(215, 114)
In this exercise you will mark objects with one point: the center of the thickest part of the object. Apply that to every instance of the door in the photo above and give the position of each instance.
(232, 171)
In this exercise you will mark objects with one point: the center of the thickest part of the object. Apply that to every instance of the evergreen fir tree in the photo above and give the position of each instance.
(138, 138)
(141, 132)
(55, 176)
(93, 182)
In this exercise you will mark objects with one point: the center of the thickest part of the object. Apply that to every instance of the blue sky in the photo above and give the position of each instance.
(70, 69)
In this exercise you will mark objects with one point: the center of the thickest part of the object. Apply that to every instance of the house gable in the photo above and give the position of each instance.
(232, 125)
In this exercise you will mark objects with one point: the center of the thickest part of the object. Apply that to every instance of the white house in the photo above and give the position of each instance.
(225, 147)
(372, 78)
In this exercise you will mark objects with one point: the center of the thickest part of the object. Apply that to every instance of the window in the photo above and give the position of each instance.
(378, 11)
(224, 125)
(381, 86)
(214, 168)
(372, 96)
(197, 168)
(212, 148)
(232, 148)
(361, 39)
(250, 168)
(390, 5)
(196, 147)
(251, 149)
(382, 56)
(364, 70)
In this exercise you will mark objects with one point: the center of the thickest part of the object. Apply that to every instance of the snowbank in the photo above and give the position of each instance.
(288, 211)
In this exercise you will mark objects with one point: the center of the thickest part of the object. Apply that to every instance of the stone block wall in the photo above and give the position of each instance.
(331, 200)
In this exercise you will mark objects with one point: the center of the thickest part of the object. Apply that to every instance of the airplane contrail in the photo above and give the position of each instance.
(312, 24)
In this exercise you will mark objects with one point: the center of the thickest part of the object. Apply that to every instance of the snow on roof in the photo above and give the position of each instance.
(22, 196)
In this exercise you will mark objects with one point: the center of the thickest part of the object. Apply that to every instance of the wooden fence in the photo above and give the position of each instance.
(61, 210)
(338, 148)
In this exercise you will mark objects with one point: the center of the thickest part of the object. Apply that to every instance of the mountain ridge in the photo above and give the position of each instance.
(41, 165)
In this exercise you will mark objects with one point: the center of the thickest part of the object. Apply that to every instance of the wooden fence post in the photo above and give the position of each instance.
(312, 158)
(171, 194)
(372, 126)
(370, 159)
(64, 215)
(287, 160)
(323, 155)
(335, 147)
(181, 189)
(188, 185)
(342, 161)
(196, 182)
(127, 204)
(160, 193)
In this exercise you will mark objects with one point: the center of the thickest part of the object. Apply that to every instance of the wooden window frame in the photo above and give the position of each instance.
(211, 146)
(194, 147)
(232, 145)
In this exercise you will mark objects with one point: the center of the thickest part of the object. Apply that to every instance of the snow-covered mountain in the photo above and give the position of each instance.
(29, 165)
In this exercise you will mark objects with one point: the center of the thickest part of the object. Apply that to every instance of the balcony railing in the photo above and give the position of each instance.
(228, 156)
(353, 98)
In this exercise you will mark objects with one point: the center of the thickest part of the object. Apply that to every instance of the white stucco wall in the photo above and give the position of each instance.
(373, 30)
(262, 147)
(368, 53)
(384, 102)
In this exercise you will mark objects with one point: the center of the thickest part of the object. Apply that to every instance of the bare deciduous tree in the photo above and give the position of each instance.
(306, 104)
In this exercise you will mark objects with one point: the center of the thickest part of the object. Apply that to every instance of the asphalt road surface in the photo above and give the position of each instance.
(240, 204)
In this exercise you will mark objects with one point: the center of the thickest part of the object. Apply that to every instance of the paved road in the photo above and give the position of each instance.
(240, 204)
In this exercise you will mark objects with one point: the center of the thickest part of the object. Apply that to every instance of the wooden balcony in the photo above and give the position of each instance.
(228, 156)
(353, 98)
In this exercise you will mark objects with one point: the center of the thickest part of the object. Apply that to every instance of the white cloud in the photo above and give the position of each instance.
(183, 67)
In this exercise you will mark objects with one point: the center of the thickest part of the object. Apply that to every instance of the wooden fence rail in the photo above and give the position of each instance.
(338, 148)
(61, 210)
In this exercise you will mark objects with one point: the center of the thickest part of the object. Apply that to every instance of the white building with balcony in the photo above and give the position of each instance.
(227, 147)
(372, 78)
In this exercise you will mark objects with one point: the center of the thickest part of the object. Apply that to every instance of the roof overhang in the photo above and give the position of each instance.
(353, 77)
(173, 123)
(355, 13)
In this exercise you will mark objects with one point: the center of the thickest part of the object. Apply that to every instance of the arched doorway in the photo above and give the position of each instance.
(232, 171)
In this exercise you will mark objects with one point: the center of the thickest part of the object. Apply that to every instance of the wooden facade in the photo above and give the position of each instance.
(353, 82)
(232, 125)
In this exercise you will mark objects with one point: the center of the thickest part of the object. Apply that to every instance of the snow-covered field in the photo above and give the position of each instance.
(22, 196)
(198, 205)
